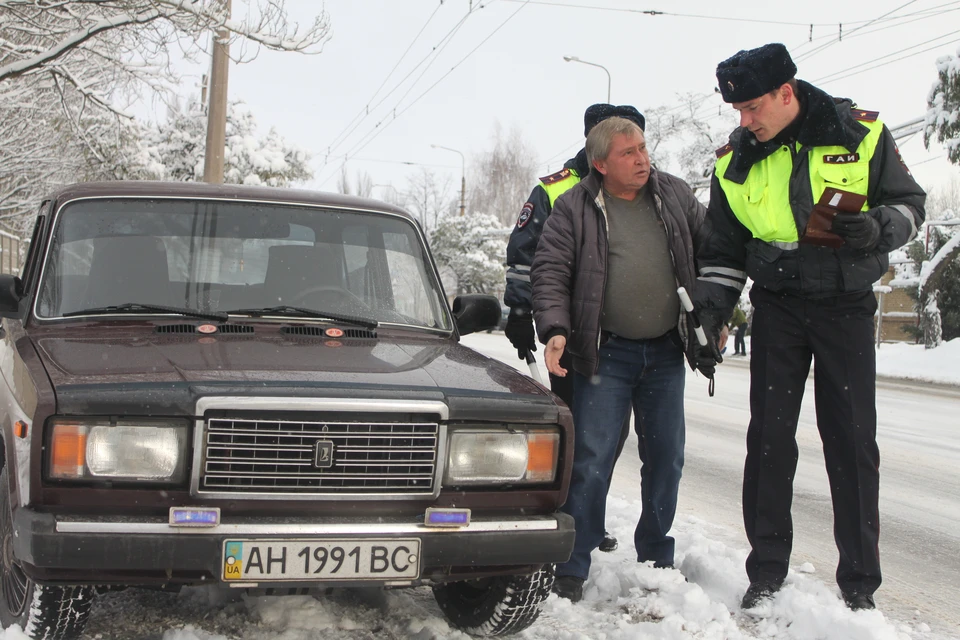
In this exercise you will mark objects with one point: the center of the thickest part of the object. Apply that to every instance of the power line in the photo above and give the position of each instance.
(377, 130)
(829, 77)
(654, 12)
(883, 64)
(900, 21)
(434, 54)
(810, 54)
(390, 73)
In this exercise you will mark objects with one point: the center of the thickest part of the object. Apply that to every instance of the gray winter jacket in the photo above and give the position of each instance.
(570, 264)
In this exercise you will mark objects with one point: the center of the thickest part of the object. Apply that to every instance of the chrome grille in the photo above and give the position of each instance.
(276, 456)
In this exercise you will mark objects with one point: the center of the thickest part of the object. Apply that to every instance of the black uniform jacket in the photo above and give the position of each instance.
(525, 237)
(896, 201)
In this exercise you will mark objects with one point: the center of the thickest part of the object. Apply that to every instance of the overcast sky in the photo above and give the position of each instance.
(503, 62)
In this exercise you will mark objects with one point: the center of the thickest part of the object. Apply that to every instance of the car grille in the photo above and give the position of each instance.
(269, 456)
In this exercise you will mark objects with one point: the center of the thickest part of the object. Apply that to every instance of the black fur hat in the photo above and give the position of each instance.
(750, 74)
(598, 112)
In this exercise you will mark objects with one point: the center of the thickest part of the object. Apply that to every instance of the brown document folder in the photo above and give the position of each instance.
(832, 203)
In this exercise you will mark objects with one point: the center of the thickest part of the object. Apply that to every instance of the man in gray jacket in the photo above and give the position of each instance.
(605, 278)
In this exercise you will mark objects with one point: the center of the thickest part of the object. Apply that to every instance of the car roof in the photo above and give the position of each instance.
(203, 190)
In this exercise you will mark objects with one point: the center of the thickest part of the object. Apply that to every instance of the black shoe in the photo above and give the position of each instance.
(569, 587)
(859, 601)
(757, 593)
(608, 544)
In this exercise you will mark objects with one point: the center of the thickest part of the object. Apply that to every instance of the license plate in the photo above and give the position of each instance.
(320, 560)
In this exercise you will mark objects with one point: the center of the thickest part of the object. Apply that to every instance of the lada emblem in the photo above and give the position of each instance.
(207, 328)
(323, 454)
(333, 332)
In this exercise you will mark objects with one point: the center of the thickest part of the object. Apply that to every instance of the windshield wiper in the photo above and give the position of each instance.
(137, 307)
(287, 310)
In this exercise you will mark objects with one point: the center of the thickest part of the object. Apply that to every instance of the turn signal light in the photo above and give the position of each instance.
(68, 451)
(20, 429)
(542, 450)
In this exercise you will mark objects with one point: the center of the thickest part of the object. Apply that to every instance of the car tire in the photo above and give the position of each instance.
(43, 612)
(495, 606)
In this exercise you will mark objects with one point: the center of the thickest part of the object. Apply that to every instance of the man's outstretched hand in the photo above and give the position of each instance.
(552, 353)
(520, 333)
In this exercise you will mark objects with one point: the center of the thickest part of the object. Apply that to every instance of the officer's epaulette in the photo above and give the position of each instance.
(864, 115)
(724, 150)
(555, 177)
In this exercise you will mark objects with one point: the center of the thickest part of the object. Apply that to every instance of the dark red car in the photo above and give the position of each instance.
(263, 389)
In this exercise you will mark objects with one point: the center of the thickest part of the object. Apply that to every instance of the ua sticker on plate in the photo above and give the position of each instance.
(525, 214)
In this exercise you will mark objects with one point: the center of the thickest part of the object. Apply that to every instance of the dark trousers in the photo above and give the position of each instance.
(647, 376)
(739, 344)
(838, 333)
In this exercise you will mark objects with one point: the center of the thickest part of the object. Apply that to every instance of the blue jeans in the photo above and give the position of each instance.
(647, 375)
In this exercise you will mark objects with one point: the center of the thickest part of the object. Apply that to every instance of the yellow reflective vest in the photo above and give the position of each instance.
(762, 202)
(556, 188)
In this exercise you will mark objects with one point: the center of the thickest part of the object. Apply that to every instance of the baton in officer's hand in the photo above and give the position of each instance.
(698, 329)
(532, 363)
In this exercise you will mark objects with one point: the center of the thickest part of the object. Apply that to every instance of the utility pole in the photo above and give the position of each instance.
(463, 176)
(217, 108)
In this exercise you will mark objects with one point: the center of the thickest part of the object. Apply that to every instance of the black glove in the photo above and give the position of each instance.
(859, 230)
(520, 333)
(707, 360)
(708, 355)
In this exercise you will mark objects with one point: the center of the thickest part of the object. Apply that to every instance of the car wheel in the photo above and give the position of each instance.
(48, 613)
(495, 606)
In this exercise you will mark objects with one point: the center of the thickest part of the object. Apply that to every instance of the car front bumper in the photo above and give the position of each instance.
(149, 551)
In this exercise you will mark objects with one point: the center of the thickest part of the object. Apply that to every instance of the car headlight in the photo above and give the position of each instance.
(133, 450)
(498, 456)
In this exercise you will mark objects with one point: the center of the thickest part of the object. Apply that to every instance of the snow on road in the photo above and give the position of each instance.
(622, 600)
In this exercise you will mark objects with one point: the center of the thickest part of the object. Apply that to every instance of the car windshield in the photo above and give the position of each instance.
(209, 256)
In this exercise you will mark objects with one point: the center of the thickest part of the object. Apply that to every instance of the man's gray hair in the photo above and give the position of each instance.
(601, 137)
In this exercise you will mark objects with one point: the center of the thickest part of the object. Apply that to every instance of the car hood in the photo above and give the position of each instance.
(103, 361)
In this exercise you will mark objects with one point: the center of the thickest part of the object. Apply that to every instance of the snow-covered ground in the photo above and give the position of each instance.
(623, 599)
(908, 361)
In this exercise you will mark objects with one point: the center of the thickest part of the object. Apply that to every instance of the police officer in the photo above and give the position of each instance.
(523, 243)
(810, 298)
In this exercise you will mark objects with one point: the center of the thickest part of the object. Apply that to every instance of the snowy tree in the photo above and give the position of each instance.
(364, 183)
(943, 200)
(176, 150)
(682, 140)
(428, 197)
(943, 107)
(343, 181)
(504, 176)
(71, 39)
(933, 281)
(69, 68)
(473, 249)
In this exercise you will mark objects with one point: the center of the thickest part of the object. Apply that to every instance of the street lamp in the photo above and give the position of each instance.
(463, 176)
(592, 64)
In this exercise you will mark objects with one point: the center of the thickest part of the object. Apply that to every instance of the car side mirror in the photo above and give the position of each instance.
(476, 312)
(11, 290)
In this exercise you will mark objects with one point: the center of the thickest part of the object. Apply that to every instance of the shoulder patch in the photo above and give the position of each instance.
(724, 150)
(864, 115)
(556, 177)
(525, 214)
